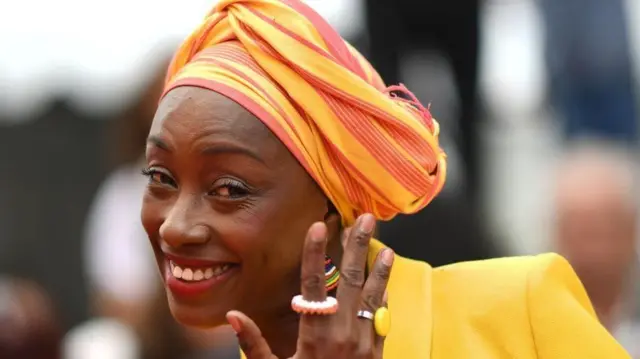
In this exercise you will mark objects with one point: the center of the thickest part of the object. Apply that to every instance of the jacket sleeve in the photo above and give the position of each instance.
(563, 322)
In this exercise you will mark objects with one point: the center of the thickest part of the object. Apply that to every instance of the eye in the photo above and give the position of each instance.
(159, 177)
(228, 188)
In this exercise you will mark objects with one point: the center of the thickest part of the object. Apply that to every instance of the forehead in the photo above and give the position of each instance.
(191, 114)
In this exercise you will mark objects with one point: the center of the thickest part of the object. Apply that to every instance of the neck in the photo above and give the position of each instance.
(281, 329)
(606, 294)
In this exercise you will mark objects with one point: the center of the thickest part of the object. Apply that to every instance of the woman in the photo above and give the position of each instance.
(272, 127)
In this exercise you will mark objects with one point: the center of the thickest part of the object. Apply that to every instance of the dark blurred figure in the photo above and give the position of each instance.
(452, 27)
(29, 325)
(589, 61)
(447, 231)
(596, 229)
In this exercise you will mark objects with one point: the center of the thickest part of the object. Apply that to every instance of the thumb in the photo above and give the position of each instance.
(251, 341)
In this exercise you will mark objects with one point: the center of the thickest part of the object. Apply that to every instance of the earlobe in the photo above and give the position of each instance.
(331, 211)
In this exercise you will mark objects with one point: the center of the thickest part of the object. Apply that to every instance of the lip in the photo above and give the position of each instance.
(193, 262)
(185, 289)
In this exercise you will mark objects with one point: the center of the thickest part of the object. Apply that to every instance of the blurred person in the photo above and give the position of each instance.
(452, 28)
(124, 280)
(458, 234)
(274, 149)
(589, 61)
(29, 322)
(596, 214)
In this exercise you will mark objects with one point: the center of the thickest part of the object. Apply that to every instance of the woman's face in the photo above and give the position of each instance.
(226, 209)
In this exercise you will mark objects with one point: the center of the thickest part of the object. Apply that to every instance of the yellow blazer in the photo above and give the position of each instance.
(519, 307)
(508, 308)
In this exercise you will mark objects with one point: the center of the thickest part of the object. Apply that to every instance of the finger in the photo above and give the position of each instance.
(344, 236)
(353, 266)
(376, 284)
(313, 326)
(373, 294)
(251, 341)
(313, 257)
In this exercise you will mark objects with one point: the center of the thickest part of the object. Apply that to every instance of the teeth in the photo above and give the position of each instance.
(198, 275)
(208, 273)
(195, 275)
(177, 271)
(187, 274)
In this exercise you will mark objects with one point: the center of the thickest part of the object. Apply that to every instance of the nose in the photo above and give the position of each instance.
(181, 227)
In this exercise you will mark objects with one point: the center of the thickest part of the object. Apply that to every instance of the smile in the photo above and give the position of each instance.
(189, 274)
(189, 277)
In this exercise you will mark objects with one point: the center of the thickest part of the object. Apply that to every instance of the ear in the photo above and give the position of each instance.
(333, 221)
(331, 211)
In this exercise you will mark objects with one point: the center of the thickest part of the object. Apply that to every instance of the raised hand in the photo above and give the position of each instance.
(345, 330)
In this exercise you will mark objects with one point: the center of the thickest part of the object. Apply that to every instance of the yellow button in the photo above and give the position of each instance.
(382, 321)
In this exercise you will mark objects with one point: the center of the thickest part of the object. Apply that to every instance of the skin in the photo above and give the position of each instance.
(223, 188)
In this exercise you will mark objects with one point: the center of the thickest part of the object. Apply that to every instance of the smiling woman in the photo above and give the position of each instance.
(274, 149)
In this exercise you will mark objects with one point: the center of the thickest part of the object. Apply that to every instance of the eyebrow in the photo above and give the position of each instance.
(158, 142)
(230, 149)
(210, 150)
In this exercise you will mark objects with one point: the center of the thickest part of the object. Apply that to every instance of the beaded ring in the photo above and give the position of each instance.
(325, 307)
(331, 274)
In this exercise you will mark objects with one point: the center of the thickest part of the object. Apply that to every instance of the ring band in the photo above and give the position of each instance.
(365, 314)
(325, 307)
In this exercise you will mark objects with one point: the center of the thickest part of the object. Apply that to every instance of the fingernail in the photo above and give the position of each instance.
(387, 257)
(319, 231)
(367, 223)
(235, 323)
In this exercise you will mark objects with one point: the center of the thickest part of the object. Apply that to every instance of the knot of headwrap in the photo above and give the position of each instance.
(369, 149)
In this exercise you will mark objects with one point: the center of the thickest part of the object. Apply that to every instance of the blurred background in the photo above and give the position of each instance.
(537, 99)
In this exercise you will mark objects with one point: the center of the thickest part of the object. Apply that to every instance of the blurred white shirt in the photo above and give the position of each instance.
(118, 257)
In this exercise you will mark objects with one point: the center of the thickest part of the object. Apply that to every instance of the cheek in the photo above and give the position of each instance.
(272, 232)
(151, 215)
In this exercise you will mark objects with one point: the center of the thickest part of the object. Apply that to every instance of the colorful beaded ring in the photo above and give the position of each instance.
(303, 306)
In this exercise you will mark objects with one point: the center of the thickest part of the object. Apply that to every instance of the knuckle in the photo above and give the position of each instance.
(345, 344)
(313, 343)
(315, 246)
(371, 302)
(361, 237)
(352, 277)
(364, 352)
(312, 280)
(382, 273)
(306, 345)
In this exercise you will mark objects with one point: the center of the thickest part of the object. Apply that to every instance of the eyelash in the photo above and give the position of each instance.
(231, 185)
(164, 179)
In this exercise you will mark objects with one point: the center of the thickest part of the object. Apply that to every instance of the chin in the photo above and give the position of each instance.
(198, 315)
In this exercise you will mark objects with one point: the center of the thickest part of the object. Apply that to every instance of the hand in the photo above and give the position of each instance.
(343, 334)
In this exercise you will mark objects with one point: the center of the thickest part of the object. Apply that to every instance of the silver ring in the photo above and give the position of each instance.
(365, 314)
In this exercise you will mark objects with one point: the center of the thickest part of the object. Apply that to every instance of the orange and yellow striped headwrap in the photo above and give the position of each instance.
(368, 149)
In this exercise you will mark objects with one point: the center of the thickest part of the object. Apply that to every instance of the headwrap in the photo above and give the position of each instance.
(367, 148)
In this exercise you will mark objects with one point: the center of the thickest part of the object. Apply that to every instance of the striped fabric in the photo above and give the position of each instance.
(368, 149)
